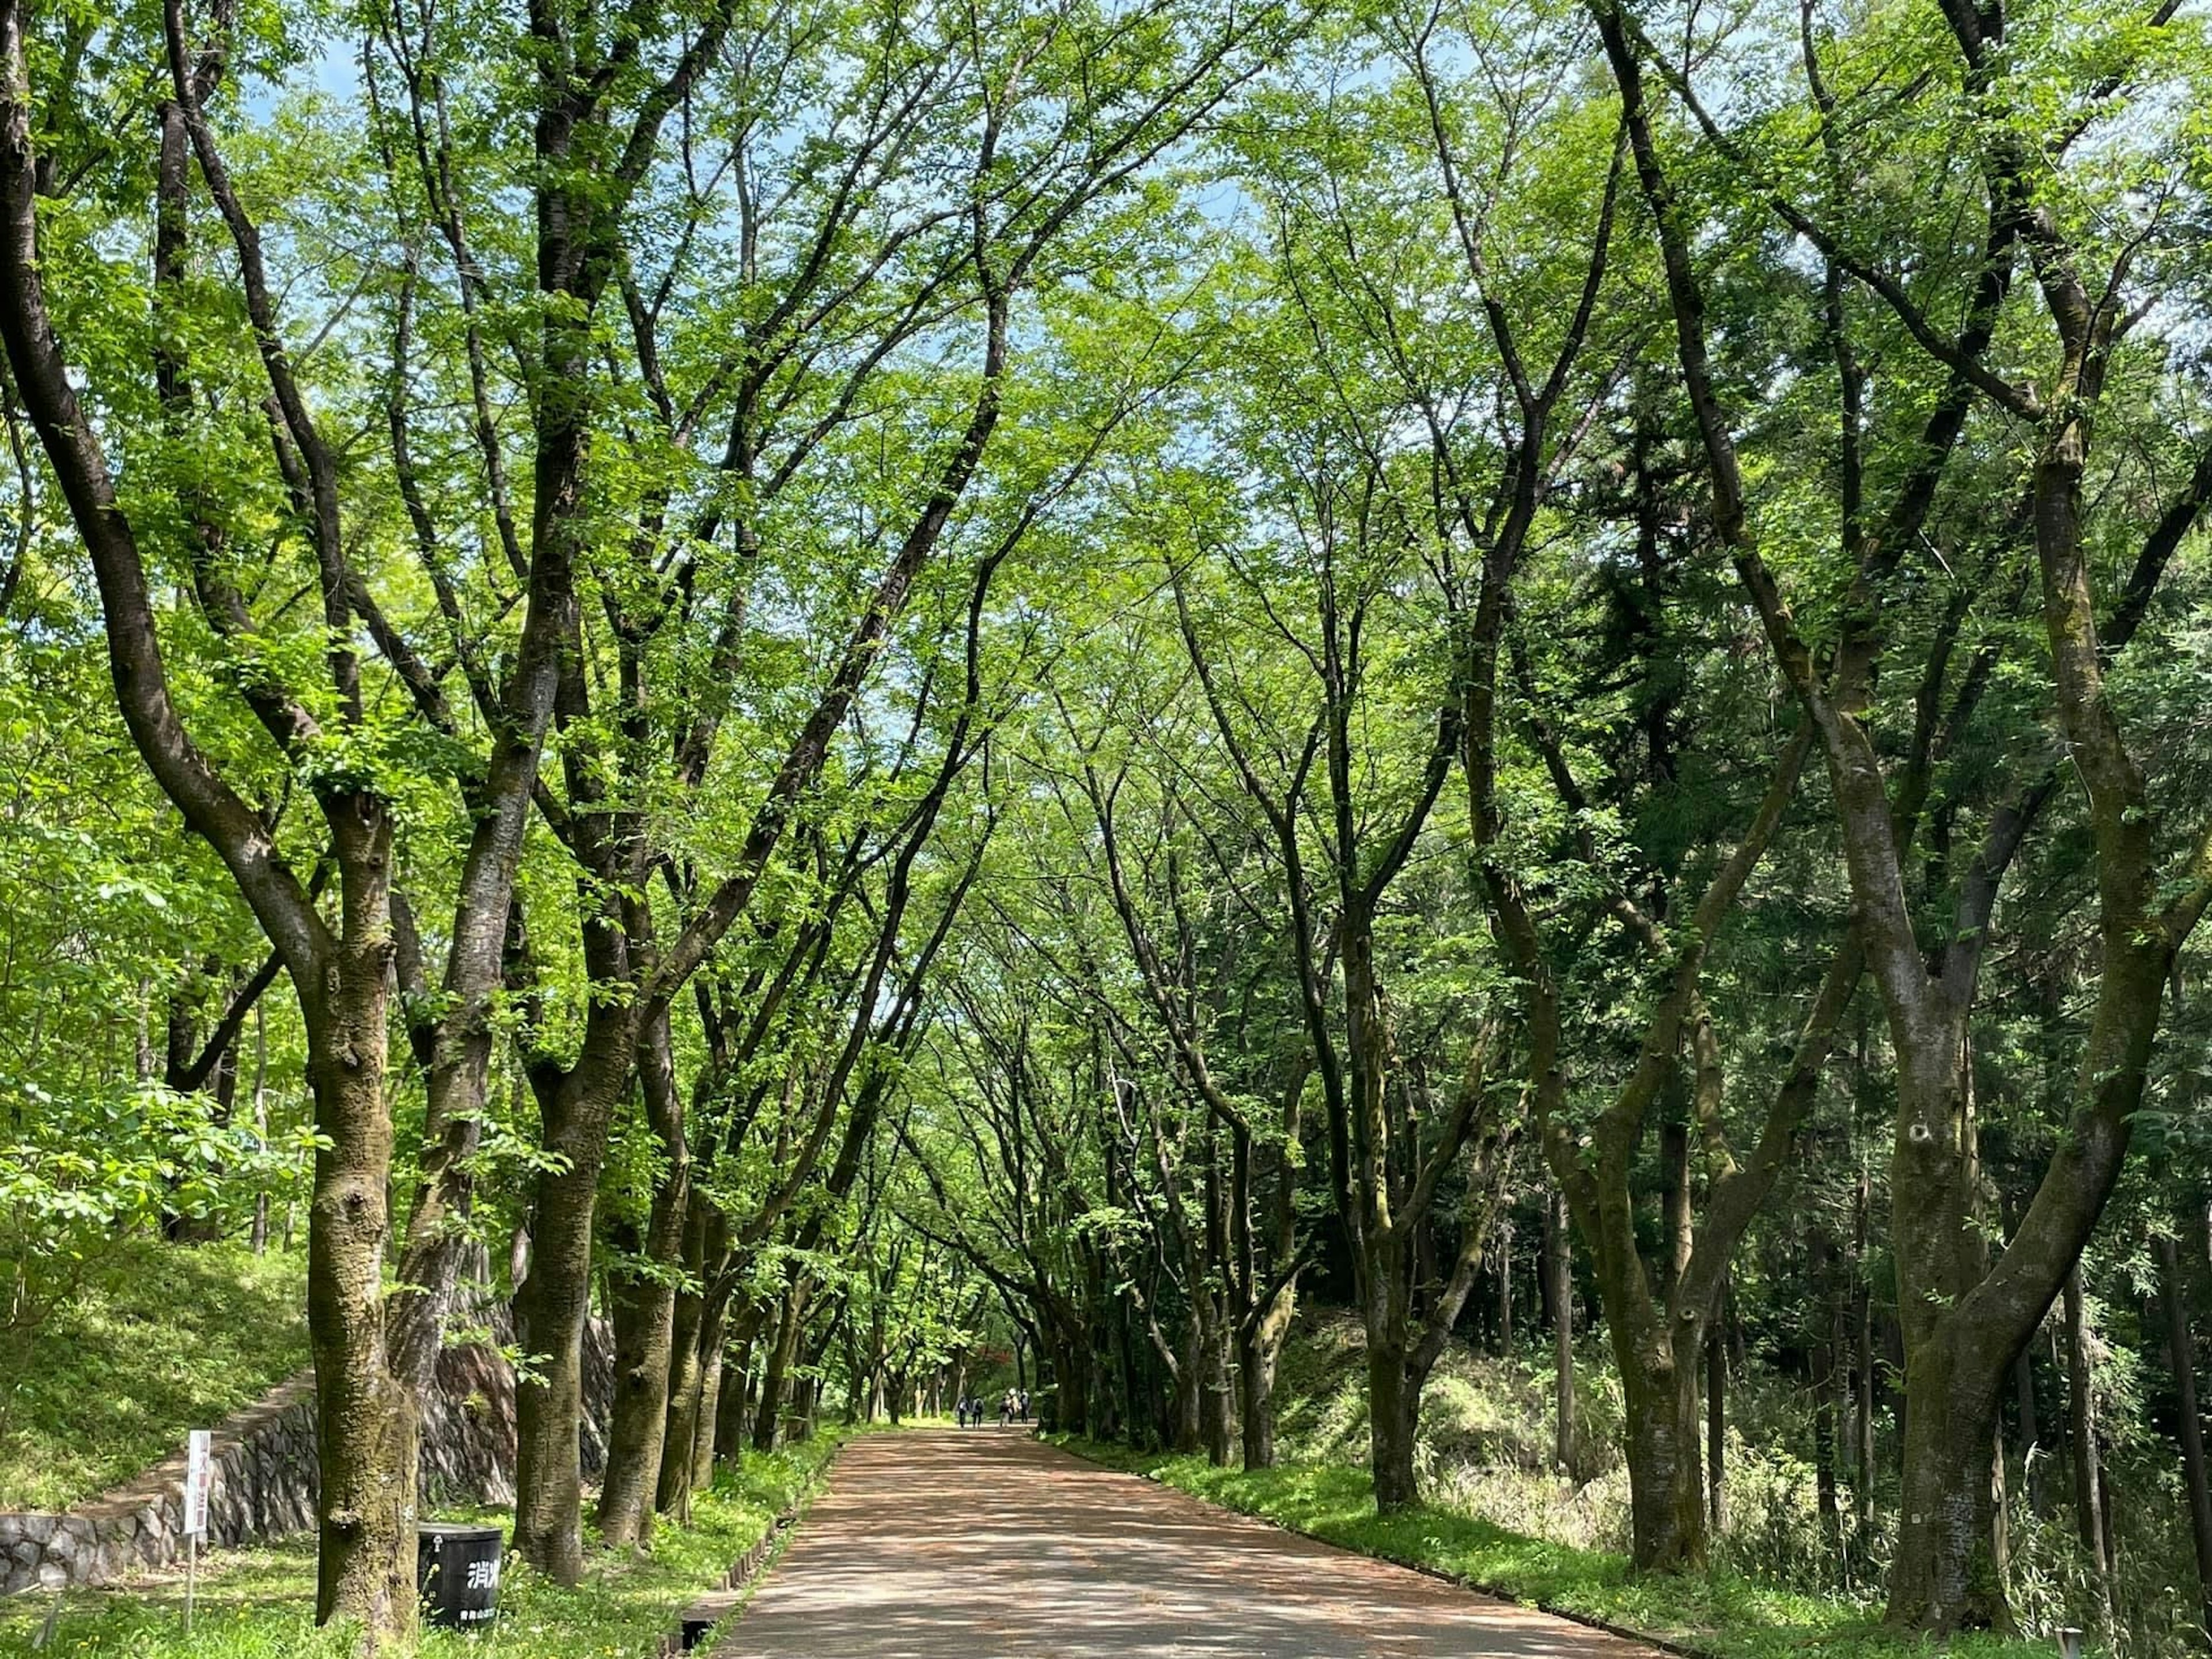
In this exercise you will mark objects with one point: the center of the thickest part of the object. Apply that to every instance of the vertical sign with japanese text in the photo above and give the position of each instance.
(199, 1479)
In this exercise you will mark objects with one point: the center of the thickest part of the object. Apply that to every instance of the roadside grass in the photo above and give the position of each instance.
(1720, 1615)
(166, 1339)
(259, 1603)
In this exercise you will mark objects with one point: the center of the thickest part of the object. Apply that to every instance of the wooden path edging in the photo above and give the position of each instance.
(726, 1597)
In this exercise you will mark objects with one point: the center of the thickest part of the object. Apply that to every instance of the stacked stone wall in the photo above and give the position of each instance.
(265, 1474)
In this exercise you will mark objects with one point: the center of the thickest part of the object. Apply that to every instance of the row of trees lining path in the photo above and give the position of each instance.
(901, 682)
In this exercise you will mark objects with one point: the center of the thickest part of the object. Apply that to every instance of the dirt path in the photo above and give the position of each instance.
(982, 1542)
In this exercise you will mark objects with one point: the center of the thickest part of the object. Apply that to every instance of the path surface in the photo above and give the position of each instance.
(983, 1542)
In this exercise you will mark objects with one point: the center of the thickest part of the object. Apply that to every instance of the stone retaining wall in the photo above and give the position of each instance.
(265, 1474)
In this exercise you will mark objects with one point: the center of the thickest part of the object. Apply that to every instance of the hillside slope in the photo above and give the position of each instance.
(169, 1338)
(1486, 1438)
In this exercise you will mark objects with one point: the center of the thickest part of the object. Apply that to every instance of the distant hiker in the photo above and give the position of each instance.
(960, 1411)
(1021, 1405)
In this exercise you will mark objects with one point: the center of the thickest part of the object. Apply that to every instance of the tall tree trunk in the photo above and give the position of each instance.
(2111, 1533)
(1263, 1329)
(620, 1286)
(790, 1324)
(1948, 1574)
(1826, 1350)
(1255, 1381)
(1206, 1262)
(2031, 1425)
(1504, 1236)
(2001, 1523)
(1949, 1578)
(1100, 1357)
(1717, 1433)
(705, 1431)
(2181, 1355)
(260, 1235)
(730, 1403)
(705, 1267)
(1558, 1267)
(1823, 1450)
(1863, 1364)
(1133, 1374)
(1391, 1408)
(2082, 1424)
(1073, 1376)
(1215, 1394)
(644, 1313)
(855, 1378)
(366, 1421)
(1187, 1405)
(1666, 1483)
(550, 1312)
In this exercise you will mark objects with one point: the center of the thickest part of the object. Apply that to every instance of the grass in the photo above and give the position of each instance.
(168, 1339)
(259, 1603)
(1723, 1614)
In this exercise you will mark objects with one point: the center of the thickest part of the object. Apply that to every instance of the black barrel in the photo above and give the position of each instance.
(457, 1574)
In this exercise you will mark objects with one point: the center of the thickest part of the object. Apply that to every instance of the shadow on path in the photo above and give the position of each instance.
(982, 1542)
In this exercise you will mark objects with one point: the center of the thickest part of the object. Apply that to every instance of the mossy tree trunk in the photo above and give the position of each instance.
(645, 1312)
(555, 1302)
(366, 1421)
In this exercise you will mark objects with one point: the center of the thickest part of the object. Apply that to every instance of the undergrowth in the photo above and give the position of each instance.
(1483, 1449)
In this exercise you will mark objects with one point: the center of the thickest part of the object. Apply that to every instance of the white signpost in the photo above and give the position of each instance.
(199, 1480)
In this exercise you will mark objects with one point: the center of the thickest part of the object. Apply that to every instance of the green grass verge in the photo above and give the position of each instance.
(168, 1339)
(259, 1603)
(1722, 1615)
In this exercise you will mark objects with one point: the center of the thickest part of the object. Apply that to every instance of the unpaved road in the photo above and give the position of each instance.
(983, 1542)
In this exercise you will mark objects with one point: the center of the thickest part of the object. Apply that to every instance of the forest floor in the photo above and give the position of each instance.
(983, 1542)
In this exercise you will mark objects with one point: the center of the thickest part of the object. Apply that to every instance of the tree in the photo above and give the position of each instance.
(1965, 1319)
